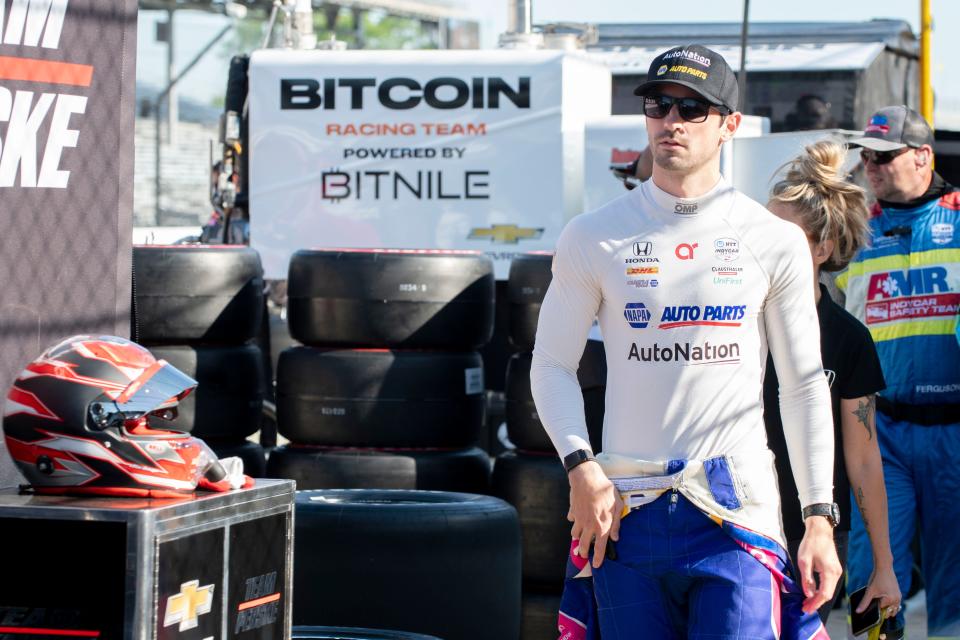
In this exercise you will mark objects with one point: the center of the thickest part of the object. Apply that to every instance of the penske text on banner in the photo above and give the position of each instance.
(66, 174)
(474, 150)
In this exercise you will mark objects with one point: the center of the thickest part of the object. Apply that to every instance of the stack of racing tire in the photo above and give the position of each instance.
(200, 308)
(531, 477)
(386, 391)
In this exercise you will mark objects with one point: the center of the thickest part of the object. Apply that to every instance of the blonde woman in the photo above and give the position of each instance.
(815, 195)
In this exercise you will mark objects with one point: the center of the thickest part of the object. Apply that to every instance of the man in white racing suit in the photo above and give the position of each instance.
(691, 282)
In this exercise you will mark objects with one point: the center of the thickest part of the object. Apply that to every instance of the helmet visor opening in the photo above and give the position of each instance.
(157, 391)
(158, 387)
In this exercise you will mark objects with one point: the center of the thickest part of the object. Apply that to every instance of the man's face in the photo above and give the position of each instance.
(897, 180)
(682, 146)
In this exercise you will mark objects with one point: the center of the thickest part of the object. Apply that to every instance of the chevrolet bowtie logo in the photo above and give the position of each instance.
(185, 607)
(505, 233)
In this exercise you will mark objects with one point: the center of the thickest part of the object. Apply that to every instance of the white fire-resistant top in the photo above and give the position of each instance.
(688, 292)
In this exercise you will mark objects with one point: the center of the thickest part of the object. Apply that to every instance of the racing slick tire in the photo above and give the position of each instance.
(539, 616)
(228, 401)
(379, 398)
(465, 470)
(198, 293)
(524, 428)
(252, 453)
(526, 285)
(391, 298)
(444, 564)
(536, 485)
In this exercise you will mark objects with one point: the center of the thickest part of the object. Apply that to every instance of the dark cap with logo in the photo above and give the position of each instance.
(895, 128)
(695, 67)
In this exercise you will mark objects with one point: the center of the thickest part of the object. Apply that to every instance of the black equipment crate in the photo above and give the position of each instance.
(216, 566)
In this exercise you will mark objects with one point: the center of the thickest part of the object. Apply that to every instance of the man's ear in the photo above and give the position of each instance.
(729, 126)
(924, 156)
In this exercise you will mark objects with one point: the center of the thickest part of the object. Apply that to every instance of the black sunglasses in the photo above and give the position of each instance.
(690, 109)
(881, 157)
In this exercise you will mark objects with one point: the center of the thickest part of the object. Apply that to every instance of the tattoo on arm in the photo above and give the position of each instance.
(863, 508)
(864, 411)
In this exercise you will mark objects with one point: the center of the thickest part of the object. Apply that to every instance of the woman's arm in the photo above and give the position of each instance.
(865, 471)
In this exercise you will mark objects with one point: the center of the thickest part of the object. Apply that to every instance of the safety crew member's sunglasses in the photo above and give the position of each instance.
(690, 109)
(881, 157)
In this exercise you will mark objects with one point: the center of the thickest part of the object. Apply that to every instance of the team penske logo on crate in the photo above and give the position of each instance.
(261, 605)
(914, 293)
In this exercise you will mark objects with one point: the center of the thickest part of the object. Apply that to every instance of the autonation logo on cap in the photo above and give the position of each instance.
(689, 55)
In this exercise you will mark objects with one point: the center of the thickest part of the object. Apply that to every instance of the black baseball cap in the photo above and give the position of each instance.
(895, 128)
(695, 67)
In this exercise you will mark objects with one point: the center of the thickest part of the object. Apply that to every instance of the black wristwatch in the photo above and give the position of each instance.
(577, 458)
(830, 511)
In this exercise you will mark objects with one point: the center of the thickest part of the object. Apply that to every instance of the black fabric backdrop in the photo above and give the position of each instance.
(66, 176)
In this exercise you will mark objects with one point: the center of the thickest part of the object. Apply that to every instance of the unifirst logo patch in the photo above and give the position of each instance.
(186, 607)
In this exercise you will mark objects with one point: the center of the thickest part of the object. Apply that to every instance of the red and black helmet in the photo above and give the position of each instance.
(85, 418)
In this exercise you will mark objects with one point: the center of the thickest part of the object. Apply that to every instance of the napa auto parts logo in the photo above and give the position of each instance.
(637, 315)
(915, 293)
(707, 315)
(38, 126)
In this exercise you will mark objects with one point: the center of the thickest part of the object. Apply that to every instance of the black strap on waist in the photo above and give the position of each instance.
(922, 414)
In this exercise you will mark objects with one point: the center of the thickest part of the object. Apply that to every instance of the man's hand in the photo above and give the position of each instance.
(818, 555)
(883, 586)
(595, 508)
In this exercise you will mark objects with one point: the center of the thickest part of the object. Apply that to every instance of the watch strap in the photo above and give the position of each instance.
(575, 459)
(831, 511)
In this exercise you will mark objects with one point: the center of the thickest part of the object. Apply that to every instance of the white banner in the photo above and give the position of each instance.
(477, 150)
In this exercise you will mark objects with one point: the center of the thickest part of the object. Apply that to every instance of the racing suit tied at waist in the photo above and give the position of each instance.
(739, 488)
